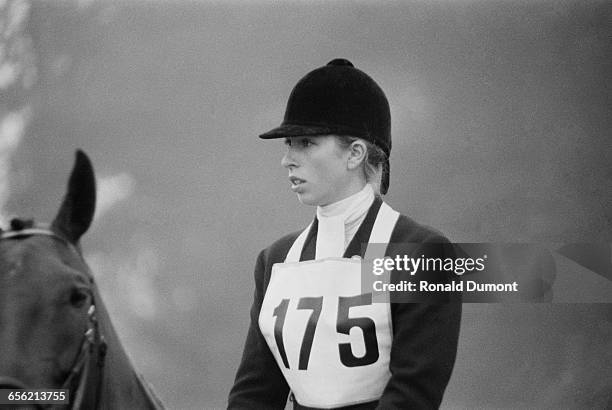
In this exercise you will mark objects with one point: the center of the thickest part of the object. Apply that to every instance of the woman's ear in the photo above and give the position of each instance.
(357, 154)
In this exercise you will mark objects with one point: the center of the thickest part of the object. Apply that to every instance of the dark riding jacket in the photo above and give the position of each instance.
(424, 343)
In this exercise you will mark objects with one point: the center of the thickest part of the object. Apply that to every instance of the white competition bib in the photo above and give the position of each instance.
(329, 340)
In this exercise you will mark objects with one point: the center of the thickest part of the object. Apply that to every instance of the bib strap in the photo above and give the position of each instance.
(381, 231)
(296, 249)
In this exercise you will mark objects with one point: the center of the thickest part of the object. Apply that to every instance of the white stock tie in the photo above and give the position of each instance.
(330, 237)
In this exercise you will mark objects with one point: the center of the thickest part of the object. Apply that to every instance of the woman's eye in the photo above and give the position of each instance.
(303, 142)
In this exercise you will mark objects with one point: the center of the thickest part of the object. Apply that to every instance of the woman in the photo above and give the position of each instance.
(314, 331)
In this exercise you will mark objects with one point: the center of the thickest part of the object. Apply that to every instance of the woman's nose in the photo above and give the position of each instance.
(288, 160)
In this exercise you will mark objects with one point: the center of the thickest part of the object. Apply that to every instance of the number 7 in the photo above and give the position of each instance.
(315, 304)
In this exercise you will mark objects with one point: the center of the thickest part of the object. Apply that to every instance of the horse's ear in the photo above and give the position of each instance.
(77, 210)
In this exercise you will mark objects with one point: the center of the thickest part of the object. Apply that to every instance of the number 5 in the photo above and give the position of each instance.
(344, 325)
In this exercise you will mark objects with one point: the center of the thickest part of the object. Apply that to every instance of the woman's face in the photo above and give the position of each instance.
(318, 169)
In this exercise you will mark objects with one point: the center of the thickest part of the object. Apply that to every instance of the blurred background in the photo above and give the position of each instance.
(502, 119)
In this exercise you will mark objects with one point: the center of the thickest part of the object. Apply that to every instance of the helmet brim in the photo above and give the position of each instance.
(292, 130)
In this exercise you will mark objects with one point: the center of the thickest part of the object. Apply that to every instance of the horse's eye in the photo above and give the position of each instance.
(78, 297)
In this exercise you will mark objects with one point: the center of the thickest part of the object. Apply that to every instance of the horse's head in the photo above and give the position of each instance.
(54, 328)
(48, 327)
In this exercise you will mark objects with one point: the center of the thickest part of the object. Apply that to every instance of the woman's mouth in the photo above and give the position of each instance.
(296, 182)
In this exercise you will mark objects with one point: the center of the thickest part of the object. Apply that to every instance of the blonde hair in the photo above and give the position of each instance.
(374, 162)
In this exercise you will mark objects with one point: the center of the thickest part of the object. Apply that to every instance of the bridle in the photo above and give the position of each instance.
(84, 381)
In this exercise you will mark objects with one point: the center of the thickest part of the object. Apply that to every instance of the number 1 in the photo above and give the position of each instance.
(280, 312)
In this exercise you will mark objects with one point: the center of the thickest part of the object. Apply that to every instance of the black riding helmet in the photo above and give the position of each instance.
(339, 99)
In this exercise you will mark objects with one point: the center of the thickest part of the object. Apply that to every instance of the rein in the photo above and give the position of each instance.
(84, 381)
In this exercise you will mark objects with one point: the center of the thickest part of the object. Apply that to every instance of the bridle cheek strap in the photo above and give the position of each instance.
(90, 367)
(94, 373)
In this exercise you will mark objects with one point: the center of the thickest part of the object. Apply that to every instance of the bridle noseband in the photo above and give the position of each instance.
(84, 381)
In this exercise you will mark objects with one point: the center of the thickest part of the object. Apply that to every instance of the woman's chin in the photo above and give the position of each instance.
(307, 199)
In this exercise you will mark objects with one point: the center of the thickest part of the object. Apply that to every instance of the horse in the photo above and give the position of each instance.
(55, 332)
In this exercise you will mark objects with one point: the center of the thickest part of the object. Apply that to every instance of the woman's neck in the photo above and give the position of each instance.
(365, 196)
(339, 221)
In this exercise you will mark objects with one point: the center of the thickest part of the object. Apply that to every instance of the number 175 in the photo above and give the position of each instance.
(344, 324)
